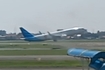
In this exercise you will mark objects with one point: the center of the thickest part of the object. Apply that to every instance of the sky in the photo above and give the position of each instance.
(50, 15)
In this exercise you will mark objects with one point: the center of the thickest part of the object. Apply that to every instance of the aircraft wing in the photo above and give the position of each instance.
(52, 36)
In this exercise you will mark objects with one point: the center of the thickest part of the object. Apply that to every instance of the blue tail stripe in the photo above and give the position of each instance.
(25, 33)
(28, 36)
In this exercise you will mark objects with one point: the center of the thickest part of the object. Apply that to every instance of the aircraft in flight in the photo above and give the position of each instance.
(30, 37)
(49, 35)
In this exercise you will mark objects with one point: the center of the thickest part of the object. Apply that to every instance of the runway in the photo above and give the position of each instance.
(37, 57)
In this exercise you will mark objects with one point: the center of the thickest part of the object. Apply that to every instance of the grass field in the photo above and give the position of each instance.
(33, 52)
(28, 45)
(71, 40)
(56, 48)
(50, 44)
(65, 63)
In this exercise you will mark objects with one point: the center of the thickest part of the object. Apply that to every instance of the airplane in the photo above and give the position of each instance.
(30, 37)
(49, 35)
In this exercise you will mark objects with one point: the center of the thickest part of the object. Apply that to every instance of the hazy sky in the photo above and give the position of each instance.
(49, 15)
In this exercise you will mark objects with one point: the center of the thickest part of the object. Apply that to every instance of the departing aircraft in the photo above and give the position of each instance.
(30, 37)
(50, 35)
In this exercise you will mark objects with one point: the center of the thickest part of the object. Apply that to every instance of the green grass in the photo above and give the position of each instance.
(28, 45)
(82, 40)
(31, 63)
(33, 52)
(13, 41)
(71, 40)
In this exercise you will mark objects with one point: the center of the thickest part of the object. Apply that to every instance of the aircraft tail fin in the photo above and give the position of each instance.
(25, 33)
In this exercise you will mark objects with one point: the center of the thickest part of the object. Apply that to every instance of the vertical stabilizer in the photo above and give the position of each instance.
(25, 33)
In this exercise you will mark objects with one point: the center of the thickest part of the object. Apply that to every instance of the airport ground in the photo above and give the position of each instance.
(41, 69)
(20, 50)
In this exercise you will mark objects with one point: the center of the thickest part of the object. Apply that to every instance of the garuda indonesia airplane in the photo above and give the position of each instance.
(50, 35)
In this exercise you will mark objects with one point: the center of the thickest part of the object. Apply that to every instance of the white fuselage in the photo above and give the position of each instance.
(59, 33)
